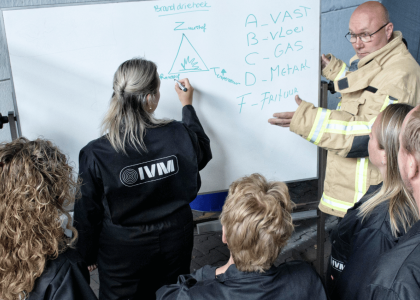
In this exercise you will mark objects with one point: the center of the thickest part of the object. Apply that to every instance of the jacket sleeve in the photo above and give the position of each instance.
(377, 292)
(184, 289)
(345, 131)
(335, 69)
(334, 130)
(88, 211)
(198, 136)
(72, 283)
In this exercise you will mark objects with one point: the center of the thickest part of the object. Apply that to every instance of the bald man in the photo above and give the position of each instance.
(397, 275)
(381, 73)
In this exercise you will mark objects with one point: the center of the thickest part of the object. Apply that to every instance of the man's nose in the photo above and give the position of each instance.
(359, 42)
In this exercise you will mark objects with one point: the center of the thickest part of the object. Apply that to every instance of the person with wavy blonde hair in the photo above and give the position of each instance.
(36, 187)
(257, 224)
(134, 219)
(375, 224)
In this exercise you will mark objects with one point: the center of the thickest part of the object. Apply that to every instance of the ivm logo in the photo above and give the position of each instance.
(336, 264)
(152, 170)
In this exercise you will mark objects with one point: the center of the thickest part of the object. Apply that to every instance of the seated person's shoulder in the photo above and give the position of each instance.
(205, 273)
(65, 277)
(299, 269)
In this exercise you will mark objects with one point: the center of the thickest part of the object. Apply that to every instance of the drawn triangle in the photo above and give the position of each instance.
(187, 59)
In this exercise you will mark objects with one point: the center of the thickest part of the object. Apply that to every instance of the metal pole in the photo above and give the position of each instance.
(12, 124)
(322, 154)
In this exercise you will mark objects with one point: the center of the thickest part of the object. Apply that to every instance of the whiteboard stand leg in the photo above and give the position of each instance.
(322, 160)
(12, 125)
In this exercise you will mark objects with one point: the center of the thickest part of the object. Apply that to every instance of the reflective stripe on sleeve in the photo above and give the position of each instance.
(361, 178)
(347, 128)
(342, 72)
(338, 106)
(388, 101)
(335, 204)
(319, 126)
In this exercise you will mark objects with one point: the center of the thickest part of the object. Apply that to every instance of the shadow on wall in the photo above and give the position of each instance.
(405, 16)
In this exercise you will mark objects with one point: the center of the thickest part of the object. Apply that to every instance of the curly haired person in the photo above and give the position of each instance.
(36, 261)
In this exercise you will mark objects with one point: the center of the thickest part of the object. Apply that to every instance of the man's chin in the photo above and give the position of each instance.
(361, 55)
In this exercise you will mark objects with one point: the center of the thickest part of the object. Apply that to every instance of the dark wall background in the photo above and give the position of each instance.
(405, 14)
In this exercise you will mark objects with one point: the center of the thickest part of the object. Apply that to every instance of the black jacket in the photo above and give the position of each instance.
(356, 245)
(293, 280)
(397, 274)
(139, 188)
(64, 278)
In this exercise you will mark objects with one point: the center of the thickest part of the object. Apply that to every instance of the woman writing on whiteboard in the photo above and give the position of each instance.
(134, 218)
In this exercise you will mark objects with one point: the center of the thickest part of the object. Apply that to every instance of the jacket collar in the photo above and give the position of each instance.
(361, 78)
(233, 273)
(381, 55)
(414, 230)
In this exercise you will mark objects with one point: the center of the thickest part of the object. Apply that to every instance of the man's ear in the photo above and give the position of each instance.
(389, 30)
(224, 240)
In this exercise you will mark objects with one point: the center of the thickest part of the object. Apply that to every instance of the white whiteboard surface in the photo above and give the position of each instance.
(63, 60)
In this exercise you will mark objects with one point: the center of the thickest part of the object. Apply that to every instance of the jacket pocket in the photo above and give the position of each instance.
(353, 106)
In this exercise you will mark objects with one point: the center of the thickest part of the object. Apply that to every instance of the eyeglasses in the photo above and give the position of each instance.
(364, 37)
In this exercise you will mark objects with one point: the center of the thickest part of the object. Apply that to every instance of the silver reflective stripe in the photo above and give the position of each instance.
(336, 204)
(319, 125)
(348, 128)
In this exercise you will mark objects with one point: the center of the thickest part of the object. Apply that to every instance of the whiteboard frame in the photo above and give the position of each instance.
(34, 6)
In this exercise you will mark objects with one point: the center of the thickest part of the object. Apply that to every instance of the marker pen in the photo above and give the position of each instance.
(181, 86)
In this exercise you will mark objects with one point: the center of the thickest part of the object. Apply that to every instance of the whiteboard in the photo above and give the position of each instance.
(246, 60)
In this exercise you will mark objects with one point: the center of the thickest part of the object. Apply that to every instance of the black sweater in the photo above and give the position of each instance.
(139, 188)
(357, 244)
(294, 280)
(397, 274)
(64, 278)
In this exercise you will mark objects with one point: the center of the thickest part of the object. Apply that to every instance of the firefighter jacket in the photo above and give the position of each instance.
(386, 76)
(64, 278)
(295, 280)
(397, 273)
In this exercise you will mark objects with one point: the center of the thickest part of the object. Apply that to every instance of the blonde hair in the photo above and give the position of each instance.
(402, 206)
(257, 221)
(411, 135)
(36, 185)
(128, 117)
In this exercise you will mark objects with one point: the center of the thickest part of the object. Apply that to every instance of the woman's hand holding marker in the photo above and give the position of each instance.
(186, 97)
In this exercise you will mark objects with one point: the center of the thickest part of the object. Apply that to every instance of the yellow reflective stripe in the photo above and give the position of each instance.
(318, 115)
(342, 72)
(335, 204)
(361, 178)
(388, 101)
(348, 128)
(320, 123)
(338, 106)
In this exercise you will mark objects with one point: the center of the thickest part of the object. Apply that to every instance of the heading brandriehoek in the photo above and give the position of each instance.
(174, 7)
